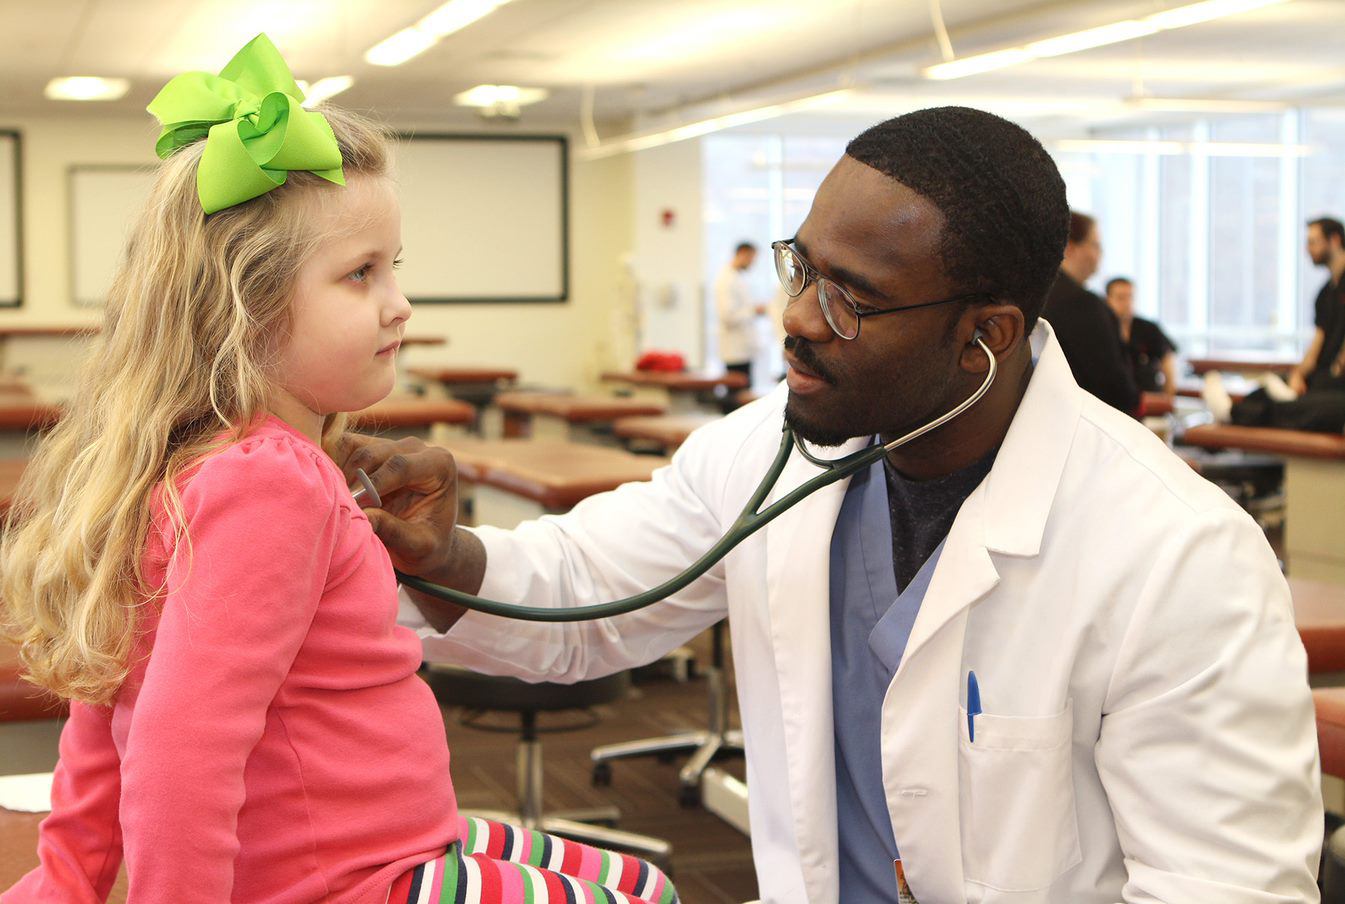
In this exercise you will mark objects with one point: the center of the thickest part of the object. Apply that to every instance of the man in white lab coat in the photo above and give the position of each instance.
(1029, 657)
(737, 312)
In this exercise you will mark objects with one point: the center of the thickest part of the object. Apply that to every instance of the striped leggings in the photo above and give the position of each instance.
(494, 863)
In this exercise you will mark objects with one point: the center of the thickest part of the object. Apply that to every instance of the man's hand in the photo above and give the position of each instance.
(418, 486)
(1296, 381)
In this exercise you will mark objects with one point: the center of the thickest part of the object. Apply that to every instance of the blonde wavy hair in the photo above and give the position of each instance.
(198, 309)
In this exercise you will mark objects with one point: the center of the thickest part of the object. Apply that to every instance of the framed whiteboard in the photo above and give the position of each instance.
(484, 218)
(104, 200)
(11, 220)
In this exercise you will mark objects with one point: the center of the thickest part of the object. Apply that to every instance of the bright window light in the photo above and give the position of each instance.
(87, 87)
(983, 62)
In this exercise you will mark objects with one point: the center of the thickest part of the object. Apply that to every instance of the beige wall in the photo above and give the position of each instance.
(552, 344)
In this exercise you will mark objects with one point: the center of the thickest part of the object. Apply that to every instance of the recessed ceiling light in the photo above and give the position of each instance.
(493, 95)
(87, 87)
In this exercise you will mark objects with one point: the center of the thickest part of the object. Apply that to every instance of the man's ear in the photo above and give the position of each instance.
(999, 326)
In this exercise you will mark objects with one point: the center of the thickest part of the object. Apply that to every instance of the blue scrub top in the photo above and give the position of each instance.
(870, 625)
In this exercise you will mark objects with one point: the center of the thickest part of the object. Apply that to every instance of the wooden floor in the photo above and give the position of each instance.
(712, 861)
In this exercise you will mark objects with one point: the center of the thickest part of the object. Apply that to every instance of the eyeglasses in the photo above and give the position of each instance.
(842, 312)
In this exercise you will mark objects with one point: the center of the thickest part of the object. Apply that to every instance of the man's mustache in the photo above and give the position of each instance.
(805, 354)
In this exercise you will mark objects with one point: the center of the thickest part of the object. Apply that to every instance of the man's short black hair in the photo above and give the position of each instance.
(1001, 196)
(744, 246)
(1118, 281)
(1330, 227)
(1080, 226)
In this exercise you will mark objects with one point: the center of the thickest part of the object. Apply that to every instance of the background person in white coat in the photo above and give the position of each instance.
(1146, 731)
(737, 311)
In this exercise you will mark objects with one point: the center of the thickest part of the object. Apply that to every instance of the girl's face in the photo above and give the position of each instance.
(348, 315)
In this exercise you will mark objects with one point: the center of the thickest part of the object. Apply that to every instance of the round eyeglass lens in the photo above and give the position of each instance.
(837, 310)
(790, 270)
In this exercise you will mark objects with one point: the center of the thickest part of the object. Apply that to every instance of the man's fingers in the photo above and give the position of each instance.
(371, 454)
(406, 543)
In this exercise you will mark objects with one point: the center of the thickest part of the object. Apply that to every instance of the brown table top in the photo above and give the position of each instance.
(21, 410)
(1246, 362)
(424, 340)
(1319, 613)
(575, 408)
(671, 430)
(678, 381)
(11, 469)
(413, 411)
(1155, 404)
(553, 473)
(13, 331)
(1297, 443)
(458, 375)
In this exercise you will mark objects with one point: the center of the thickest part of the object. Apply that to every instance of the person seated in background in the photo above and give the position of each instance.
(1086, 328)
(1153, 357)
(1314, 396)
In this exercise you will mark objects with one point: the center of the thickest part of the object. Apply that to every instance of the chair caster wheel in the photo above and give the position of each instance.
(689, 796)
(602, 775)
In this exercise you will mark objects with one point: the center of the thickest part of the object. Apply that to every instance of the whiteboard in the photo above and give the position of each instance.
(104, 203)
(11, 258)
(483, 218)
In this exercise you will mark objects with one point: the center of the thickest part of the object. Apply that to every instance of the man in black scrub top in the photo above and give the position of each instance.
(1152, 354)
(1319, 379)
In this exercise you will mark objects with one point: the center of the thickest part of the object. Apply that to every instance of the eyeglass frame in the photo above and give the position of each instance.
(812, 275)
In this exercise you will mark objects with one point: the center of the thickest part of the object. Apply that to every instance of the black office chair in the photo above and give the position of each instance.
(454, 686)
(716, 740)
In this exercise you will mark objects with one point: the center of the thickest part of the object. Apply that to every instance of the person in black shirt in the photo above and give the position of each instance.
(1319, 379)
(1152, 354)
(1086, 328)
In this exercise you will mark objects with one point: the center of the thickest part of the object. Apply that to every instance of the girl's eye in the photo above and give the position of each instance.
(362, 273)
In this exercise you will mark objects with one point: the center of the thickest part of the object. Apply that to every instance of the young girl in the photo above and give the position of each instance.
(186, 564)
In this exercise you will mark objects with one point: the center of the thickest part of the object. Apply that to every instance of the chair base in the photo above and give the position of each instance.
(705, 746)
(589, 827)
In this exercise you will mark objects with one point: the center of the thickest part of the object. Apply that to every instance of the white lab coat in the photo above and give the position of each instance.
(737, 316)
(1147, 735)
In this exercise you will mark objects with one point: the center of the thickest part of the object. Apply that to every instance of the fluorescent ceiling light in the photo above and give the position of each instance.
(646, 140)
(1204, 105)
(1113, 33)
(87, 87)
(325, 88)
(1196, 13)
(456, 15)
(415, 40)
(1101, 36)
(405, 44)
(493, 95)
(1170, 148)
(982, 62)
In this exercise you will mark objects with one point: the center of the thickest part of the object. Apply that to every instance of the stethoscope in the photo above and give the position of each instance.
(749, 522)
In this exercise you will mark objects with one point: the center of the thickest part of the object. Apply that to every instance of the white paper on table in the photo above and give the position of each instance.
(26, 793)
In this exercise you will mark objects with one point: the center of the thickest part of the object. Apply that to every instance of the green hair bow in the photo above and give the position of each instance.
(257, 129)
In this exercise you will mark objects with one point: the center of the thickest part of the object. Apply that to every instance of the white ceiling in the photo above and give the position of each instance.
(645, 58)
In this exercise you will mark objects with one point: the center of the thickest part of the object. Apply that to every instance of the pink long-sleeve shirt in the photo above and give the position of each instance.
(272, 743)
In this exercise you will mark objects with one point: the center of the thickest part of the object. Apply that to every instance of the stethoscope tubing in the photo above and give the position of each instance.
(752, 519)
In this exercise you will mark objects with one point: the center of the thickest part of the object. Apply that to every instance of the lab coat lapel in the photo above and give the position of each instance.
(798, 563)
(921, 732)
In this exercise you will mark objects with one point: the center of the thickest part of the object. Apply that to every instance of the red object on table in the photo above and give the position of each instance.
(665, 362)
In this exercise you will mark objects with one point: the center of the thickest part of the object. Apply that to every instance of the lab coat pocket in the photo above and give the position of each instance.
(1019, 828)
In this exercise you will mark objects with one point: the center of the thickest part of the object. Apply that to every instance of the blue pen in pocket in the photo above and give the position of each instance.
(973, 705)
